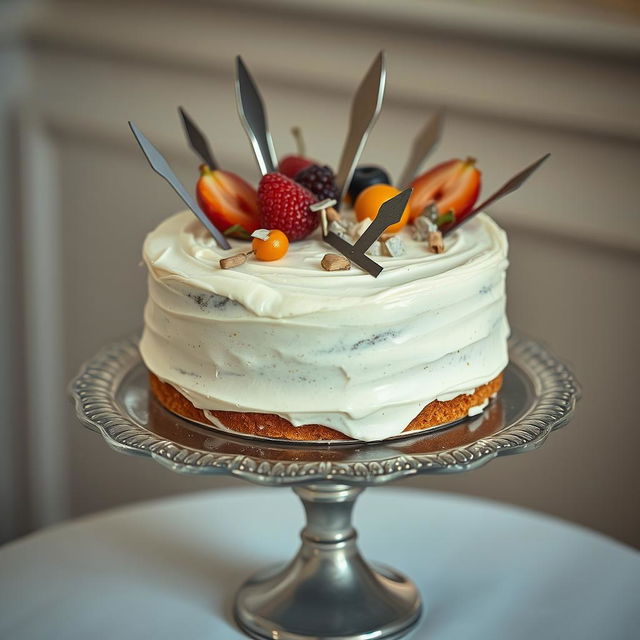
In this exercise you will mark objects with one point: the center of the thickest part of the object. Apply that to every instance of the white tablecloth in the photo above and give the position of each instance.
(169, 569)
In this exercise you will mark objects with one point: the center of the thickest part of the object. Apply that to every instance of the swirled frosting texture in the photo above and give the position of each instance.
(342, 349)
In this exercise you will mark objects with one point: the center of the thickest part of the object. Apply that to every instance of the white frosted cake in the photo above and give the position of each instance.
(321, 305)
(283, 348)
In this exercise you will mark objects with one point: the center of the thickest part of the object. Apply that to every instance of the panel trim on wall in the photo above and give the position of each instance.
(47, 455)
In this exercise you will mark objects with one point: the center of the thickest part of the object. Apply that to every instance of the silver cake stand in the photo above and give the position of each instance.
(328, 591)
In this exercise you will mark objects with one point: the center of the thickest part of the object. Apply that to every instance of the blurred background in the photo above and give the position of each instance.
(517, 79)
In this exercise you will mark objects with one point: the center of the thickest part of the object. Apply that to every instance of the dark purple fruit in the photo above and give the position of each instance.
(319, 180)
(364, 177)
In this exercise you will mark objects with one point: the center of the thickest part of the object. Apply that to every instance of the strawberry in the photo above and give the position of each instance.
(283, 204)
(452, 185)
(227, 199)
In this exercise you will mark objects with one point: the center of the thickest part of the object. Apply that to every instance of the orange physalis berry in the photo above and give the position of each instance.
(369, 201)
(273, 248)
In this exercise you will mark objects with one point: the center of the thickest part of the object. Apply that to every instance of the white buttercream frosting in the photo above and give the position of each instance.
(360, 354)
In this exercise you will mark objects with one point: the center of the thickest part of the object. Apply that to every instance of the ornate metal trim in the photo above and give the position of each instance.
(96, 386)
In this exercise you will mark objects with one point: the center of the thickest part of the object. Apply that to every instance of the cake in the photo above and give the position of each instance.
(285, 349)
(384, 319)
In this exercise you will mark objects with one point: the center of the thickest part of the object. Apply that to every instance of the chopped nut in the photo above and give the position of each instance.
(335, 262)
(435, 242)
(333, 215)
(394, 247)
(234, 261)
(375, 249)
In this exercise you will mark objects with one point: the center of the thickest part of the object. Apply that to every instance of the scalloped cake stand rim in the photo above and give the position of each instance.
(95, 387)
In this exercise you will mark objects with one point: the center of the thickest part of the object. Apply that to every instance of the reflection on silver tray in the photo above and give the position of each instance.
(112, 397)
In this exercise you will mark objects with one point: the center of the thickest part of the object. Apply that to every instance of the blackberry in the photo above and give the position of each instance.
(319, 180)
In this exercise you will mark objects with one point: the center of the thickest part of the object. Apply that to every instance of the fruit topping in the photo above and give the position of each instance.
(371, 199)
(452, 185)
(270, 246)
(319, 180)
(364, 177)
(284, 205)
(292, 164)
(227, 199)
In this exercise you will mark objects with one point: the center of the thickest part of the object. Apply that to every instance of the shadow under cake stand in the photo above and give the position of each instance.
(328, 590)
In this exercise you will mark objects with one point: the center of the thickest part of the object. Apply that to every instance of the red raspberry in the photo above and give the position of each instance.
(284, 205)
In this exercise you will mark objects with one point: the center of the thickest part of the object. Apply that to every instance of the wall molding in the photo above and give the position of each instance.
(46, 468)
(522, 67)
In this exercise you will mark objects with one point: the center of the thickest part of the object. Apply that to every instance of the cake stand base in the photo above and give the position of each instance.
(328, 590)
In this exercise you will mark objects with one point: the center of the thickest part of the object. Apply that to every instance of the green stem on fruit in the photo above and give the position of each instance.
(296, 132)
(237, 231)
(205, 170)
(446, 218)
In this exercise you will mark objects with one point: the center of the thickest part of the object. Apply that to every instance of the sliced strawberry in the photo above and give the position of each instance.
(291, 165)
(227, 199)
(451, 185)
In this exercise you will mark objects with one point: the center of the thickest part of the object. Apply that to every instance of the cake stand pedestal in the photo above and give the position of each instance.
(328, 591)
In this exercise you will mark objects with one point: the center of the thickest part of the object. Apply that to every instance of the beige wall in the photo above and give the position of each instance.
(574, 231)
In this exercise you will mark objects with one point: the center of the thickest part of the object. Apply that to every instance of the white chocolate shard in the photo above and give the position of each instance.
(261, 234)
(359, 228)
(394, 247)
(323, 204)
(376, 249)
(422, 226)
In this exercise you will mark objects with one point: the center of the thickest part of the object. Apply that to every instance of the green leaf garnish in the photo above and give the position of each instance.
(446, 218)
(237, 231)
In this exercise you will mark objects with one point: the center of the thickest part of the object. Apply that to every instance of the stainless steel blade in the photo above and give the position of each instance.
(254, 119)
(423, 145)
(162, 168)
(364, 112)
(197, 139)
(508, 187)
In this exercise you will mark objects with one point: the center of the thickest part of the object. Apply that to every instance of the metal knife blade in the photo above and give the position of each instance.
(162, 168)
(364, 112)
(508, 187)
(423, 145)
(254, 119)
(197, 139)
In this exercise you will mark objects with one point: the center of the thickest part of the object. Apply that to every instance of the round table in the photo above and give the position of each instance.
(171, 568)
